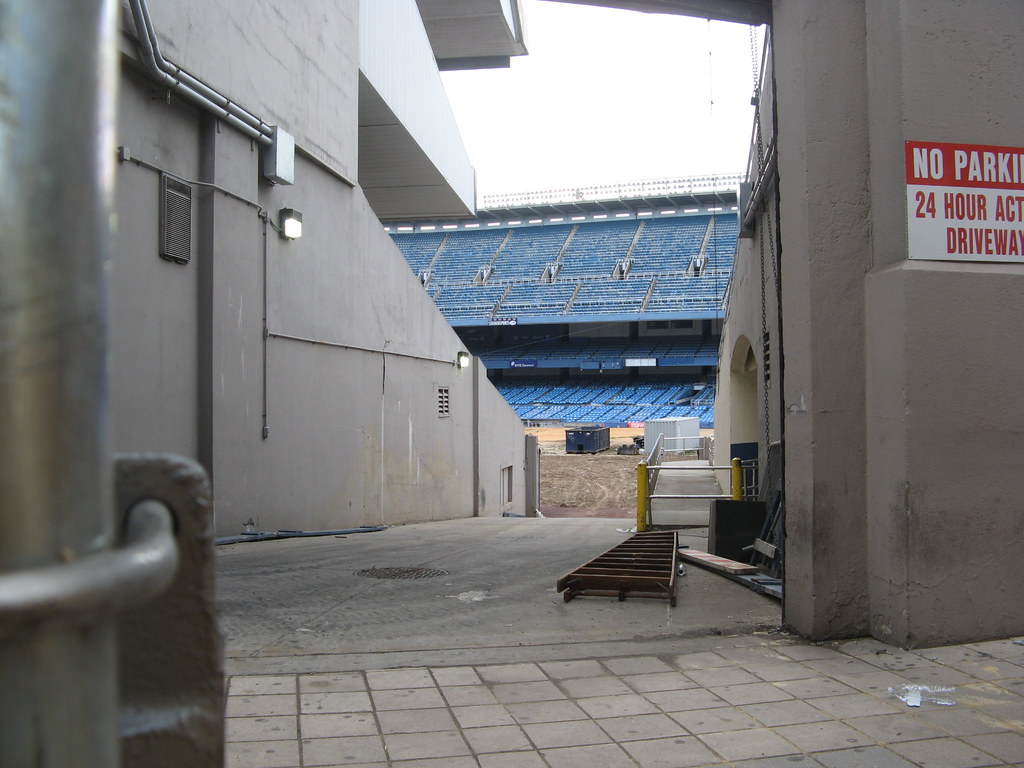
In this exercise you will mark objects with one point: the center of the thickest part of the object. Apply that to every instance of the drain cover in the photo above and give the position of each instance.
(401, 573)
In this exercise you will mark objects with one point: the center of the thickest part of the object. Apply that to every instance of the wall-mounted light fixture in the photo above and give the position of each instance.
(462, 360)
(291, 223)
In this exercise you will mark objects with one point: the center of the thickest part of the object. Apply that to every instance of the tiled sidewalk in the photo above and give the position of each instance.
(760, 701)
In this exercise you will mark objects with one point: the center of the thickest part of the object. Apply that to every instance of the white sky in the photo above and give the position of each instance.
(608, 96)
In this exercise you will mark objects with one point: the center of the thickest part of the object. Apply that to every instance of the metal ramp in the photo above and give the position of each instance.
(644, 565)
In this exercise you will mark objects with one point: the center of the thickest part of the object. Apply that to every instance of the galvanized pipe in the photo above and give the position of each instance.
(57, 95)
(181, 82)
(99, 585)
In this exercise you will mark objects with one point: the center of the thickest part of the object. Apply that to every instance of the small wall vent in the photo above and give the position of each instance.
(443, 402)
(175, 220)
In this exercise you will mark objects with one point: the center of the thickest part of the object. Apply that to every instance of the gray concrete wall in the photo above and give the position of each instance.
(902, 422)
(292, 65)
(355, 352)
(823, 159)
(944, 418)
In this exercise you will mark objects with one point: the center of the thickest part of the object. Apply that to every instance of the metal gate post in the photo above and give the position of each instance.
(642, 502)
(58, 686)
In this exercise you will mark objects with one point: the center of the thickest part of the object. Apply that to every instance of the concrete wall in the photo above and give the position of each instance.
(902, 423)
(944, 417)
(330, 419)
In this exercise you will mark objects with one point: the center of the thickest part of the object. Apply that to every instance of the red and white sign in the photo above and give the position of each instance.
(965, 202)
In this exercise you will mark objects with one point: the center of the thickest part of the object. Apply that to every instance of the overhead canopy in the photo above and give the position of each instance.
(473, 34)
(741, 11)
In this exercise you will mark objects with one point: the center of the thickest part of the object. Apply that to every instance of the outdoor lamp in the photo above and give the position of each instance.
(462, 360)
(291, 223)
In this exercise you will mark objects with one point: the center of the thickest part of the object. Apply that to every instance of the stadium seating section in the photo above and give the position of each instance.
(593, 401)
(672, 265)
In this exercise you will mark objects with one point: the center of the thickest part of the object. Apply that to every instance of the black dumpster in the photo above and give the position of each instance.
(587, 439)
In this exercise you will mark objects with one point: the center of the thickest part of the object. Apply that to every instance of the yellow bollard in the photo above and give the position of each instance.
(737, 480)
(641, 497)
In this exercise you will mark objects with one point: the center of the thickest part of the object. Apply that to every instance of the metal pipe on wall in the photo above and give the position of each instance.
(181, 82)
(58, 688)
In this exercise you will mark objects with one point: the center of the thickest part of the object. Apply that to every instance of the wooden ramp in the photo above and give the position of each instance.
(644, 565)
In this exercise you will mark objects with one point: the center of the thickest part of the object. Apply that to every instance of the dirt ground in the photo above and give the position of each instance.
(586, 485)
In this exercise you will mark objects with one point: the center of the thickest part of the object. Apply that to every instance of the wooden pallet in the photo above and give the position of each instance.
(644, 565)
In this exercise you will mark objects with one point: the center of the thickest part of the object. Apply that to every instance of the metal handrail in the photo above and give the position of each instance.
(99, 584)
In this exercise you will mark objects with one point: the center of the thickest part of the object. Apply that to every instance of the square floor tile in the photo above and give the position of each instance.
(337, 701)
(262, 754)
(515, 693)
(496, 738)
(814, 687)
(1005, 746)
(789, 761)
(274, 728)
(703, 660)
(350, 750)
(660, 681)
(273, 704)
(546, 711)
(888, 729)
(468, 695)
(415, 746)
(853, 705)
(670, 753)
(389, 679)
(721, 676)
(958, 721)
(636, 665)
(445, 676)
(416, 720)
(576, 733)
(617, 706)
(337, 725)
(408, 698)
(605, 685)
(248, 685)
(339, 681)
(597, 756)
(817, 737)
(754, 693)
(808, 652)
(943, 753)
(564, 670)
(774, 672)
(512, 760)
(482, 716)
(714, 720)
(790, 712)
(511, 673)
(862, 757)
(679, 701)
(635, 727)
(745, 745)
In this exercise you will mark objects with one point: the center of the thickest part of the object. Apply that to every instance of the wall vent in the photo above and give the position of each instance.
(175, 220)
(443, 402)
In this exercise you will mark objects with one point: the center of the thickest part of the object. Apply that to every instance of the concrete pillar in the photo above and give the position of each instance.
(825, 228)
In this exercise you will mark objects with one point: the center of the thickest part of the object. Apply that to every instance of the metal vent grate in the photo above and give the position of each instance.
(175, 220)
(401, 573)
(443, 402)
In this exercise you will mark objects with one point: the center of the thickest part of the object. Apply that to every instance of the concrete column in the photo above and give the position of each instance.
(823, 170)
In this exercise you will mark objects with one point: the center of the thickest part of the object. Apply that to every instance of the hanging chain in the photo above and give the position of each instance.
(764, 220)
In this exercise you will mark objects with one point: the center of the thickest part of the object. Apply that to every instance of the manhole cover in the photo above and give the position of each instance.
(401, 573)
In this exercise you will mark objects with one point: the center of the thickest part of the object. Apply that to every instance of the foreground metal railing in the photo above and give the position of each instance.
(648, 472)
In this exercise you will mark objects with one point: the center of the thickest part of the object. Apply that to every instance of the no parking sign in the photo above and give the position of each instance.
(965, 202)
